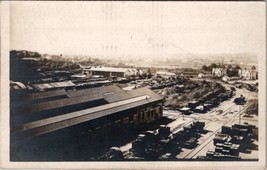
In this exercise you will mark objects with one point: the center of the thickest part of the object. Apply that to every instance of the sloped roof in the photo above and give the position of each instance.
(57, 95)
(110, 93)
(44, 86)
(95, 90)
(41, 95)
(57, 104)
(75, 97)
(118, 101)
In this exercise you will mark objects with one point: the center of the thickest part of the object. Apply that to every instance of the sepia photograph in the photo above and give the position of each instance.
(123, 84)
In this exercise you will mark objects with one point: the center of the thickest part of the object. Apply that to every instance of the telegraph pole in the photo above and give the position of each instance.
(239, 114)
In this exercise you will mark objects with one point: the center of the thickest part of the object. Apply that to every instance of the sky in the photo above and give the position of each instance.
(138, 29)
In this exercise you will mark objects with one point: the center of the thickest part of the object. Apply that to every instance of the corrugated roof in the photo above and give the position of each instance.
(53, 93)
(119, 100)
(58, 103)
(118, 96)
(57, 98)
(109, 93)
(66, 120)
(96, 90)
(144, 90)
(125, 94)
(40, 95)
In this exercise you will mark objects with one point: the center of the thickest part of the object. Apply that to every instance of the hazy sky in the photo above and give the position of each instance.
(138, 29)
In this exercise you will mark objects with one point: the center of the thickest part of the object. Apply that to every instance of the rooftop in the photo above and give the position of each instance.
(165, 73)
(116, 100)
(111, 69)
(53, 85)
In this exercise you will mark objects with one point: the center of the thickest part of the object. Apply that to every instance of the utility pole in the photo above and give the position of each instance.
(239, 114)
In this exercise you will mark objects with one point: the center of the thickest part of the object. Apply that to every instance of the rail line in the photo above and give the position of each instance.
(177, 128)
(213, 134)
(207, 141)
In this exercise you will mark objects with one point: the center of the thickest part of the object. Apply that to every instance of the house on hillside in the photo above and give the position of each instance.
(248, 74)
(218, 72)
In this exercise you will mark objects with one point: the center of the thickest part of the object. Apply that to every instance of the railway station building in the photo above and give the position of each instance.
(100, 109)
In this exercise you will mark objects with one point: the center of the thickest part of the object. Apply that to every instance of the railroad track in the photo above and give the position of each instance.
(210, 139)
(177, 128)
(223, 113)
(195, 151)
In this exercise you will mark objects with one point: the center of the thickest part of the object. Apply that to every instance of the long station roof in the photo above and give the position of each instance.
(117, 100)
(45, 100)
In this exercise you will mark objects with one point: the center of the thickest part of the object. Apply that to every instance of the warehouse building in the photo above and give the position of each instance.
(164, 74)
(92, 110)
(112, 71)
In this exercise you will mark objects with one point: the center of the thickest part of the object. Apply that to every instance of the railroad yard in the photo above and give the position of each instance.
(134, 85)
(202, 120)
(190, 117)
(226, 114)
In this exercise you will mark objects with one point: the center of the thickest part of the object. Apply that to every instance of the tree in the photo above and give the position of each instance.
(213, 65)
(237, 67)
(253, 67)
(205, 68)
